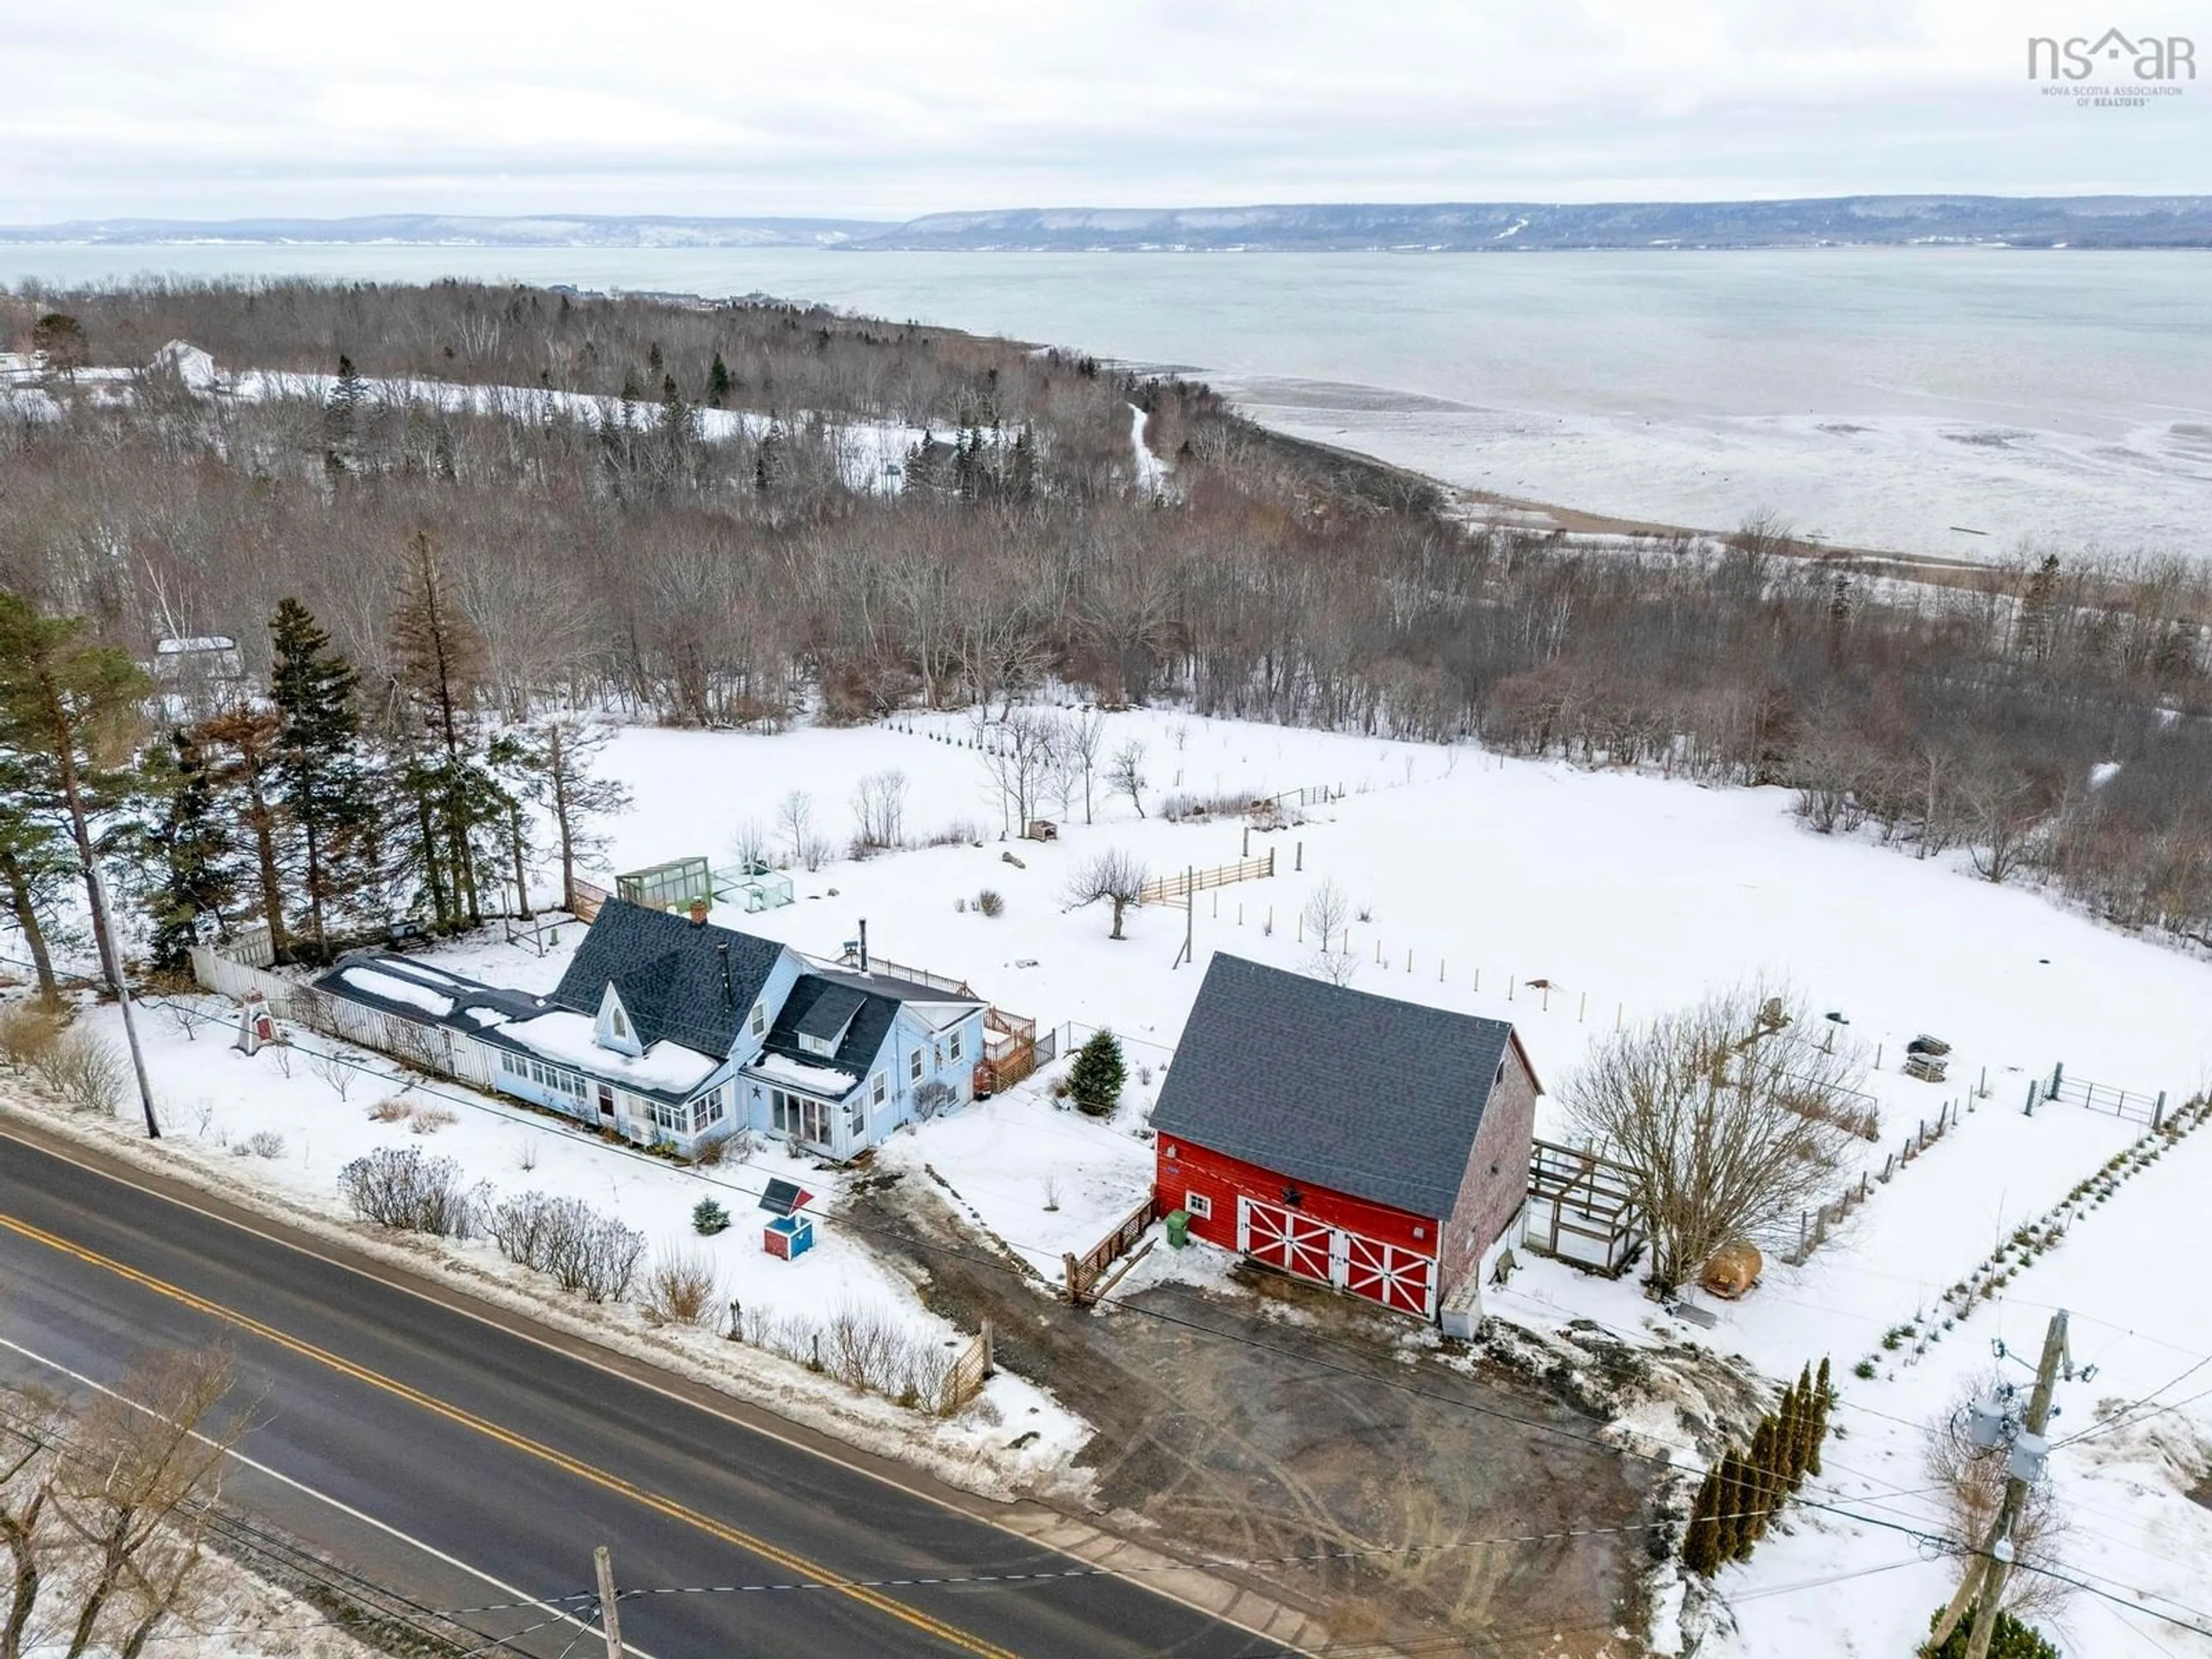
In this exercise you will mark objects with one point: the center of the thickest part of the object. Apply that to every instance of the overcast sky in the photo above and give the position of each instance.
(215, 108)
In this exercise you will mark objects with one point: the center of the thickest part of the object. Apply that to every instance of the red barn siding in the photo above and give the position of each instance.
(1185, 1168)
(1497, 1179)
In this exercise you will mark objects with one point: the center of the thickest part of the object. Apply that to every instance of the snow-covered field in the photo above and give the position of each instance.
(1629, 895)
(1566, 901)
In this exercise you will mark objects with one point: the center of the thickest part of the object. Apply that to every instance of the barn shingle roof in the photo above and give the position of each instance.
(1338, 1088)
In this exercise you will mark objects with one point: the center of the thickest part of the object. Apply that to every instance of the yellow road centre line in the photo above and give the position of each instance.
(798, 1565)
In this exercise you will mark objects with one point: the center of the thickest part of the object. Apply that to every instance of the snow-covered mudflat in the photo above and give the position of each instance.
(1953, 485)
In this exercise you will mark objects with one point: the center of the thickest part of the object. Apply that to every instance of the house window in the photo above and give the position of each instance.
(620, 1025)
(913, 1066)
(1500, 1078)
(1199, 1205)
(668, 1116)
(879, 1088)
(815, 1045)
(707, 1109)
(1170, 1150)
(796, 1114)
(952, 1047)
(759, 1026)
(1421, 1232)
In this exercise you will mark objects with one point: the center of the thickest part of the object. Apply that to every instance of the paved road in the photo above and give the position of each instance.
(511, 1460)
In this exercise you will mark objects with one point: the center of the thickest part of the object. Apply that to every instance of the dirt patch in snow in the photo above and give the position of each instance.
(1289, 1439)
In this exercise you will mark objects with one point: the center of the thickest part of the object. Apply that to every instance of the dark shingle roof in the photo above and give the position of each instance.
(461, 992)
(668, 971)
(1364, 1094)
(872, 1018)
(830, 1013)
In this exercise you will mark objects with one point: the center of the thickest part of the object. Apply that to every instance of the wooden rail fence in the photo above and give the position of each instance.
(1177, 888)
(1086, 1271)
(976, 1364)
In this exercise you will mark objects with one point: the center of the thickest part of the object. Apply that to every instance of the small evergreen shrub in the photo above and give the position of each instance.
(709, 1217)
(2011, 1640)
(1095, 1080)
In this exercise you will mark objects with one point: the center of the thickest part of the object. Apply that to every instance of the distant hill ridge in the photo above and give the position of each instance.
(2105, 222)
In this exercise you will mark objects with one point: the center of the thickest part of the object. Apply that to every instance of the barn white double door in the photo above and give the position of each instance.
(1310, 1248)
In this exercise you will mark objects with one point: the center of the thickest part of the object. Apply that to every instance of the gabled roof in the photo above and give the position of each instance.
(670, 973)
(864, 1019)
(831, 1012)
(1338, 1088)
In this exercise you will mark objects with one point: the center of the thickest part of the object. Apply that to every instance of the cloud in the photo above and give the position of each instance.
(250, 107)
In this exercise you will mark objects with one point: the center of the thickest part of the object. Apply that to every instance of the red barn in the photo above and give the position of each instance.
(1376, 1145)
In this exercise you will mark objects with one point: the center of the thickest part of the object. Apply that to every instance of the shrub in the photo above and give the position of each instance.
(680, 1288)
(737, 1144)
(583, 1250)
(1096, 1078)
(28, 1033)
(390, 1109)
(429, 1120)
(2011, 1640)
(709, 1217)
(404, 1190)
(85, 1069)
(263, 1143)
(989, 902)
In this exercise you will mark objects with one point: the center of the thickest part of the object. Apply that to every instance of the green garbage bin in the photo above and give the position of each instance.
(1178, 1229)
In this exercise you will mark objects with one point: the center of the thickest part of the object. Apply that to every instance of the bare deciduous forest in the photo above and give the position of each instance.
(2053, 716)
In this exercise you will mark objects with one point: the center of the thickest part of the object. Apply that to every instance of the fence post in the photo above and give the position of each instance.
(990, 1353)
(1581, 1013)
(1302, 851)
(1512, 984)
(1478, 981)
(2033, 1084)
(2057, 1077)
(1271, 864)
(1073, 1273)
(2158, 1113)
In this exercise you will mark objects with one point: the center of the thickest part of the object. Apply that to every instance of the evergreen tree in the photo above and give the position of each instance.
(1021, 478)
(58, 339)
(1735, 1508)
(238, 749)
(1824, 1399)
(342, 419)
(35, 864)
(329, 794)
(1803, 1425)
(1095, 1080)
(2036, 608)
(70, 712)
(718, 382)
(198, 854)
(2009, 1638)
(1759, 1471)
(1701, 1538)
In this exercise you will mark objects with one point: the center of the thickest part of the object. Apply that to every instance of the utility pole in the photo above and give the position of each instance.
(1985, 1575)
(112, 963)
(609, 1620)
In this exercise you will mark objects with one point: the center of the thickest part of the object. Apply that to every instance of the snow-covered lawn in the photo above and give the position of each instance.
(1042, 1176)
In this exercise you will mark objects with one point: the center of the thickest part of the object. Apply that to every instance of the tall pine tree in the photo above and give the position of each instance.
(198, 849)
(319, 764)
(71, 711)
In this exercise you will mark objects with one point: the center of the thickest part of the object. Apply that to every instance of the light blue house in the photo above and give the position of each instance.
(673, 1032)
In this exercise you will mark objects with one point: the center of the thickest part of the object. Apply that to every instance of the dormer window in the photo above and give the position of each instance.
(620, 1025)
(758, 1024)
